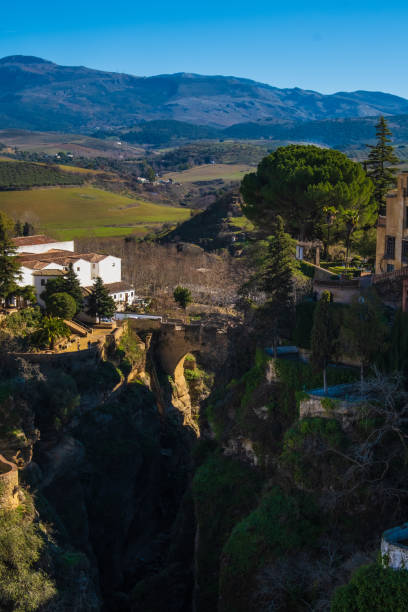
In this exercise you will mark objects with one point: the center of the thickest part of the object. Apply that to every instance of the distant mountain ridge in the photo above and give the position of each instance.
(38, 94)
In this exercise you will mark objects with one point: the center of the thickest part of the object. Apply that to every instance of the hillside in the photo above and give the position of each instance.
(68, 213)
(216, 227)
(38, 94)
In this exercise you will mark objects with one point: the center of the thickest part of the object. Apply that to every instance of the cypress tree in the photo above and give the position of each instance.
(379, 164)
(72, 286)
(276, 281)
(9, 264)
(323, 336)
(100, 304)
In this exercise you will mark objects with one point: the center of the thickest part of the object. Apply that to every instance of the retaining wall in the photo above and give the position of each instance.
(8, 484)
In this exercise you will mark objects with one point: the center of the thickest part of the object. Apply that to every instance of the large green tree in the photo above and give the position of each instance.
(9, 264)
(300, 183)
(100, 304)
(380, 164)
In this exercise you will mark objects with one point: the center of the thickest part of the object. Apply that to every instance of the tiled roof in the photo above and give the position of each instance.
(118, 287)
(49, 273)
(92, 257)
(32, 240)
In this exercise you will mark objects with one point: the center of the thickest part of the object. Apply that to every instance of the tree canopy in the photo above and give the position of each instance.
(299, 183)
(61, 305)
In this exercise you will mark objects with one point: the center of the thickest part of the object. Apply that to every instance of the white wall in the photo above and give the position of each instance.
(109, 269)
(83, 270)
(67, 245)
(26, 278)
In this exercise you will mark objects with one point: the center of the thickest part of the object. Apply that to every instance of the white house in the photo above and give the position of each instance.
(40, 244)
(42, 258)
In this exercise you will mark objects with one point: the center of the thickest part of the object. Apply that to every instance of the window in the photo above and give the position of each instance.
(390, 267)
(405, 250)
(78, 268)
(390, 247)
(114, 297)
(113, 264)
(43, 281)
(406, 216)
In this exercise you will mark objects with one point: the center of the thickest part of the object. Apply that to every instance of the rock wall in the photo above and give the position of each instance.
(8, 484)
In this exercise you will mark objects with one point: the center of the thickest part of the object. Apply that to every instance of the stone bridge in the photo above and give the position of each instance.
(173, 340)
(176, 340)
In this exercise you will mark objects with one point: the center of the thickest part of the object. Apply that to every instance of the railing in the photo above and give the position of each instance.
(394, 275)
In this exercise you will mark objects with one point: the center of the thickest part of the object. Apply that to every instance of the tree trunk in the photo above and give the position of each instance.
(325, 380)
(361, 377)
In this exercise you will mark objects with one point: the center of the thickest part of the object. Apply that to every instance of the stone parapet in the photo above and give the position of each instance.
(8, 484)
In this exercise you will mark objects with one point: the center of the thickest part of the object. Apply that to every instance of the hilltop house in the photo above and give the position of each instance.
(42, 258)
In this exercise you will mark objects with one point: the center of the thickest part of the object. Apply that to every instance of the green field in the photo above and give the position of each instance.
(85, 211)
(210, 172)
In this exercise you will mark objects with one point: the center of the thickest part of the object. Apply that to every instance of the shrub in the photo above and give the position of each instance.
(373, 588)
(224, 491)
(304, 447)
(279, 525)
(24, 586)
(61, 305)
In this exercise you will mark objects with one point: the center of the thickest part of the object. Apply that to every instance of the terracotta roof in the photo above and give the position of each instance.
(49, 272)
(118, 287)
(93, 257)
(32, 240)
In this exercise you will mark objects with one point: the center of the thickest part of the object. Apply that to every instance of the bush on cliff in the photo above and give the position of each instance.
(373, 588)
(309, 452)
(279, 525)
(224, 491)
(24, 585)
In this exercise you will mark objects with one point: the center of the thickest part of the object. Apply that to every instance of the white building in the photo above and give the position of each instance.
(42, 258)
(41, 244)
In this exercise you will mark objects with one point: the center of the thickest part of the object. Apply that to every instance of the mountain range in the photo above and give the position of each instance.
(37, 94)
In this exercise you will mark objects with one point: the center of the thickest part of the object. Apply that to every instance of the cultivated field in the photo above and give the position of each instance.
(78, 144)
(210, 172)
(86, 211)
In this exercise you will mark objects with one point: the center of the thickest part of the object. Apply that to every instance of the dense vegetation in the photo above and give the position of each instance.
(25, 175)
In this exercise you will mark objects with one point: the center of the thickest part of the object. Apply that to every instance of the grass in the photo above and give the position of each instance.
(83, 211)
(242, 222)
(210, 172)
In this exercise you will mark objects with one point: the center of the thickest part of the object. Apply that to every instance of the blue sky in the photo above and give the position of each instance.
(326, 46)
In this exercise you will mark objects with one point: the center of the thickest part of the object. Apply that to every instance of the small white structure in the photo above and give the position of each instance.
(394, 547)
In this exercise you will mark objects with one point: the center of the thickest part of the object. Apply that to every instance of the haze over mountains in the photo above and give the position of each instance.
(39, 95)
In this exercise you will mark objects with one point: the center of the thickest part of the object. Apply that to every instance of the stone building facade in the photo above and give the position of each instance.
(392, 230)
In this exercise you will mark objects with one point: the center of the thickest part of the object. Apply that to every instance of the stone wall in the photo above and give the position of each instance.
(394, 547)
(8, 484)
(329, 408)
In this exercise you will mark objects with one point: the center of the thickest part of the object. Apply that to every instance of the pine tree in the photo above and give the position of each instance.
(18, 228)
(380, 162)
(323, 337)
(277, 282)
(100, 304)
(72, 286)
(9, 264)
